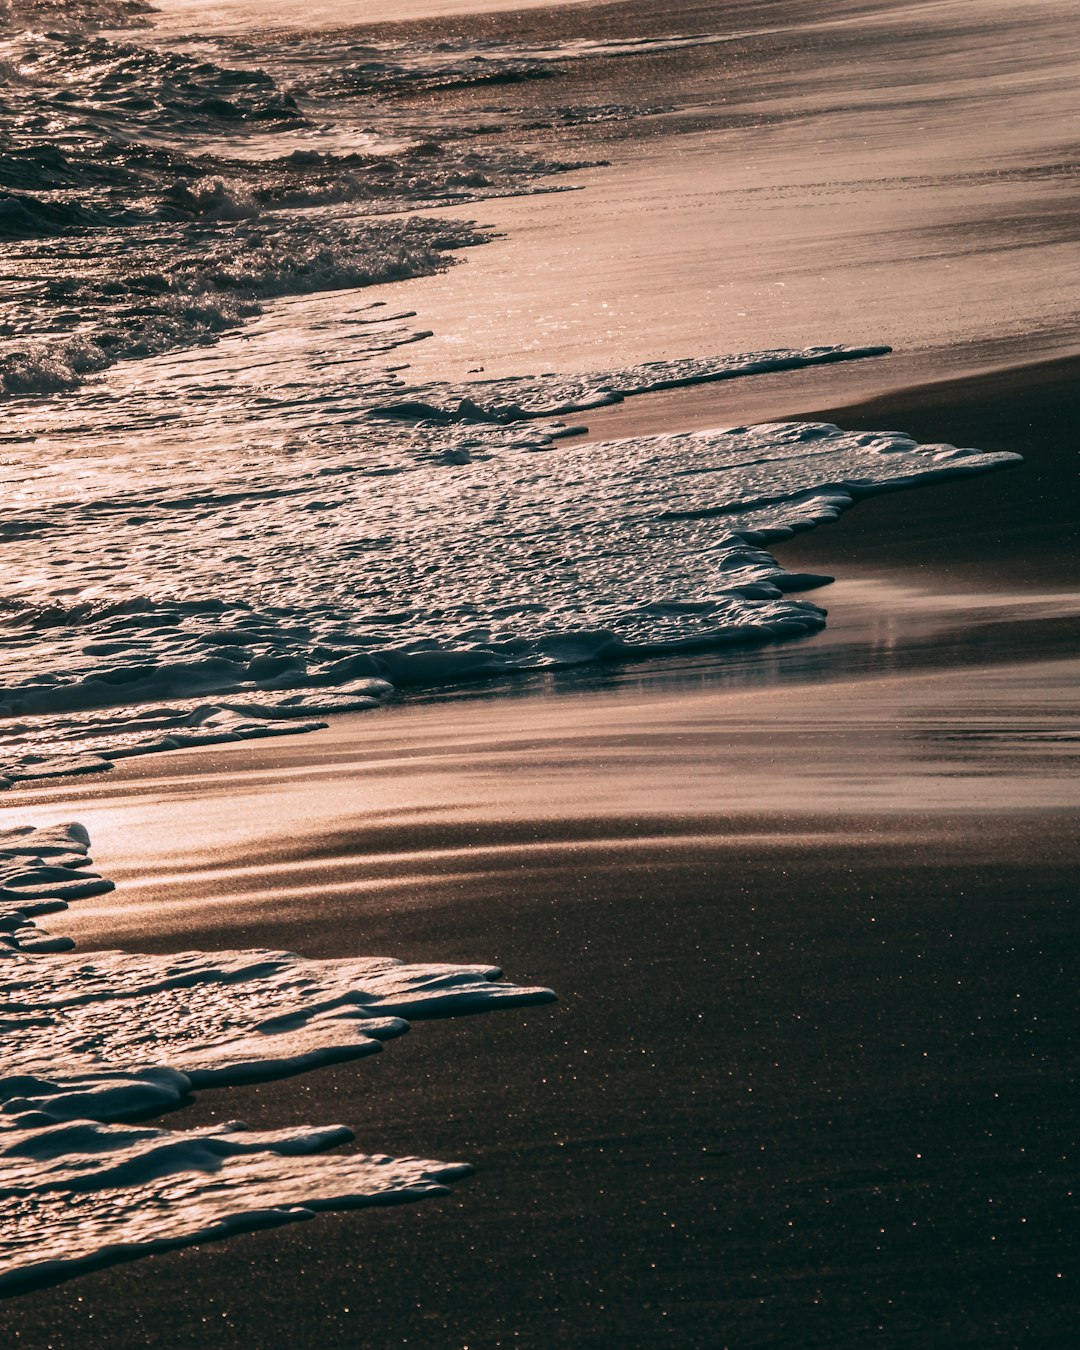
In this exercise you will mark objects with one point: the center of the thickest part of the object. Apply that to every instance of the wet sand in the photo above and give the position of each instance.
(841, 172)
(808, 908)
(811, 1077)
(994, 531)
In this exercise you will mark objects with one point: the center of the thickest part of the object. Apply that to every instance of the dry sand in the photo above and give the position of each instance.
(811, 1078)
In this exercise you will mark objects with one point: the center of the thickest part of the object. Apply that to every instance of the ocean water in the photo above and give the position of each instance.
(231, 510)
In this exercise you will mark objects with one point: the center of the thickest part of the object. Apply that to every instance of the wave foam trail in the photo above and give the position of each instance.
(87, 1042)
(465, 64)
(229, 508)
(450, 534)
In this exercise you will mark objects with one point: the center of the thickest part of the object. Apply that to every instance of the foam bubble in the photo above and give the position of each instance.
(472, 547)
(89, 1041)
(214, 1017)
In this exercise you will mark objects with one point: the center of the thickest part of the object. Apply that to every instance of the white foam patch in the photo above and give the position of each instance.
(40, 872)
(90, 1041)
(214, 1017)
(446, 534)
(78, 1196)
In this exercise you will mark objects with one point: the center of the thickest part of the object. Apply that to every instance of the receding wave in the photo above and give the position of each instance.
(88, 1042)
(481, 542)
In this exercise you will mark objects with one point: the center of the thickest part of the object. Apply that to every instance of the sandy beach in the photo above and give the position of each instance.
(810, 1077)
(807, 905)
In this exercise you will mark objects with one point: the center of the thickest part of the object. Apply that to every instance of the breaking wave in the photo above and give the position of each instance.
(186, 191)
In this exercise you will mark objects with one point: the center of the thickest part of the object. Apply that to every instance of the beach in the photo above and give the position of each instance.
(809, 1078)
(806, 904)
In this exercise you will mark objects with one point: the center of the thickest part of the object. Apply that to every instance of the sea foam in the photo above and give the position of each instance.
(439, 534)
(87, 1042)
(79, 1196)
(230, 511)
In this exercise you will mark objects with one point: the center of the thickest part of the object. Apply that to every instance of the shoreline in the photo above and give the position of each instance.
(897, 557)
(808, 906)
(780, 1140)
(1006, 589)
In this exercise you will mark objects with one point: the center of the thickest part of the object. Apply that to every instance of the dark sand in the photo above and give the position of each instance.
(1017, 529)
(812, 1077)
(1023, 528)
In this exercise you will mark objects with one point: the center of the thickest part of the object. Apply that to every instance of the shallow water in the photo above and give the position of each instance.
(238, 501)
